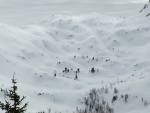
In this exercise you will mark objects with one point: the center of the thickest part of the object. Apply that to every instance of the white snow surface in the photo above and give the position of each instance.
(119, 45)
(21, 12)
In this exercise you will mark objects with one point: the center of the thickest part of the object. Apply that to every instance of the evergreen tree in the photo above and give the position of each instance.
(115, 90)
(65, 69)
(14, 106)
(92, 70)
(78, 70)
(76, 77)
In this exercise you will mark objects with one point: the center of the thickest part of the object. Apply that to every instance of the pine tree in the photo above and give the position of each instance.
(115, 90)
(78, 70)
(76, 77)
(14, 106)
(92, 70)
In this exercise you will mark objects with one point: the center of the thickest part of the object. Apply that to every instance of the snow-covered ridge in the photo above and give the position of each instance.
(118, 49)
(146, 9)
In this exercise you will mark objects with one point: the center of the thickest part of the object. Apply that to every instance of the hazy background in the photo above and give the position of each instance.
(20, 12)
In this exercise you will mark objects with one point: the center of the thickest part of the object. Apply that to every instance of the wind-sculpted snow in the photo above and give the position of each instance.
(117, 48)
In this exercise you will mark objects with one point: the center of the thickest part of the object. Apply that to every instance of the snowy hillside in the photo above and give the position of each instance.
(117, 48)
(146, 9)
(22, 12)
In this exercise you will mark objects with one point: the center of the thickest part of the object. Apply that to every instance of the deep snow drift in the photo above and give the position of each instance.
(118, 49)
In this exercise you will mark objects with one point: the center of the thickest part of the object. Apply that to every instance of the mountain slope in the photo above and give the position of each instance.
(117, 48)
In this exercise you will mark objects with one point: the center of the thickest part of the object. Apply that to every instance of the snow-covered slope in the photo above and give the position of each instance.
(117, 48)
(146, 10)
(21, 12)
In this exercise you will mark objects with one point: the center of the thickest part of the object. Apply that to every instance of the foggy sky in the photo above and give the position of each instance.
(21, 11)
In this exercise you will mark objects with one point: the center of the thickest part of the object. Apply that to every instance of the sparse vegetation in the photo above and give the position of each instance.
(95, 103)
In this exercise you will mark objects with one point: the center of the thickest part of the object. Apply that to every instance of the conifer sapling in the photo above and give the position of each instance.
(13, 106)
